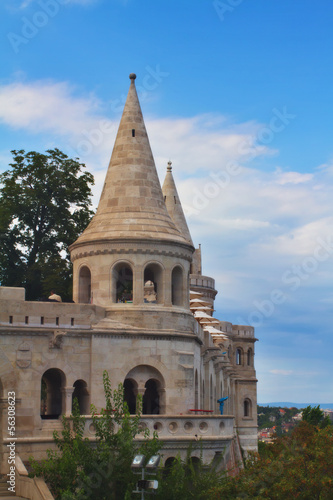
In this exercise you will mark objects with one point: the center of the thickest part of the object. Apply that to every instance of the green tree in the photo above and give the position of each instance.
(189, 479)
(80, 470)
(299, 465)
(45, 204)
(315, 416)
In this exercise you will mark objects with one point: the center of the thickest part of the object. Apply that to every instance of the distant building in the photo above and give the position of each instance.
(143, 312)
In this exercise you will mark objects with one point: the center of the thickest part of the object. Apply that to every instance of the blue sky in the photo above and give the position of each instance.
(238, 94)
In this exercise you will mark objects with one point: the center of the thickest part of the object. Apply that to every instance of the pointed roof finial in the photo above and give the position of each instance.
(174, 207)
(132, 76)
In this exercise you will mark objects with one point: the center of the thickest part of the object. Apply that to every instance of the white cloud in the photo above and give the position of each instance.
(292, 177)
(281, 372)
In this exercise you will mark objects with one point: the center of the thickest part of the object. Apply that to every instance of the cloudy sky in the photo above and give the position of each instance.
(238, 95)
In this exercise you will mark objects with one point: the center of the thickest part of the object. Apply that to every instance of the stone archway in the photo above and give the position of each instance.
(149, 383)
(82, 395)
(85, 285)
(52, 389)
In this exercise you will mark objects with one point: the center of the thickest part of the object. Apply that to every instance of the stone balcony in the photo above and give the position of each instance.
(182, 427)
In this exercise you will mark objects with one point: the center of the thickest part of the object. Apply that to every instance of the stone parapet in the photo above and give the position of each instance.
(18, 313)
(243, 330)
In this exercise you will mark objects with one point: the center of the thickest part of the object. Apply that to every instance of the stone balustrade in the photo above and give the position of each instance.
(173, 427)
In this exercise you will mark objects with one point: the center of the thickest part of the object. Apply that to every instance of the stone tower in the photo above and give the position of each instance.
(139, 312)
(132, 239)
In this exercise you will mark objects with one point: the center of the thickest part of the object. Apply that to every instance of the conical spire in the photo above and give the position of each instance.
(173, 204)
(131, 204)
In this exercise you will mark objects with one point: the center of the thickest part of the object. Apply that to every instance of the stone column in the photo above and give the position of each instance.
(141, 391)
(67, 393)
(167, 288)
(137, 285)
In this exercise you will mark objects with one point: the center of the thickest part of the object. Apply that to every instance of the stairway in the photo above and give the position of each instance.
(4, 493)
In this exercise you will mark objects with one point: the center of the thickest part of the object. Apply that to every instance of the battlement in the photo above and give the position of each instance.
(16, 312)
(243, 330)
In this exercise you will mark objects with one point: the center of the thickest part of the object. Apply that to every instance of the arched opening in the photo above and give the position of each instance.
(168, 466)
(122, 283)
(177, 286)
(249, 357)
(153, 284)
(149, 382)
(85, 285)
(151, 398)
(52, 383)
(130, 393)
(211, 393)
(196, 390)
(195, 462)
(202, 395)
(238, 356)
(247, 408)
(82, 395)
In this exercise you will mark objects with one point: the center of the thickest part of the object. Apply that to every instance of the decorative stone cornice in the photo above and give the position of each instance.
(130, 247)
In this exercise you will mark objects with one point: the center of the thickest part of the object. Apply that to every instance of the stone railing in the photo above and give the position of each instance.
(181, 427)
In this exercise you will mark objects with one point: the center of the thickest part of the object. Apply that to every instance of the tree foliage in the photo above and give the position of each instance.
(315, 416)
(79, 470)
(45, 204)
(189, 479)
(299, 465)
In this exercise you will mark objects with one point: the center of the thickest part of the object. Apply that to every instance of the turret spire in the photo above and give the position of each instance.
(173, 204)
(131, 204)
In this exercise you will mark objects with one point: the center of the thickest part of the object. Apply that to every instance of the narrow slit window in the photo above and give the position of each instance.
(72, 321)
(57, 321)
(11, 320)
(26, 320)
(133, 132)
(42, 320)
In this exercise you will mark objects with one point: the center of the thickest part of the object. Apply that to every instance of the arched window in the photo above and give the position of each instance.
(85, 285)
(122, 283)
(81, 394)
(52, 383)
(130, 393)
(238, 356)
(249, 357)
(168, 466)
(153, 274)
(196, 390)
(177, 286)
(203, 395)
(151, 398)
(211, 393)
(247, 408)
